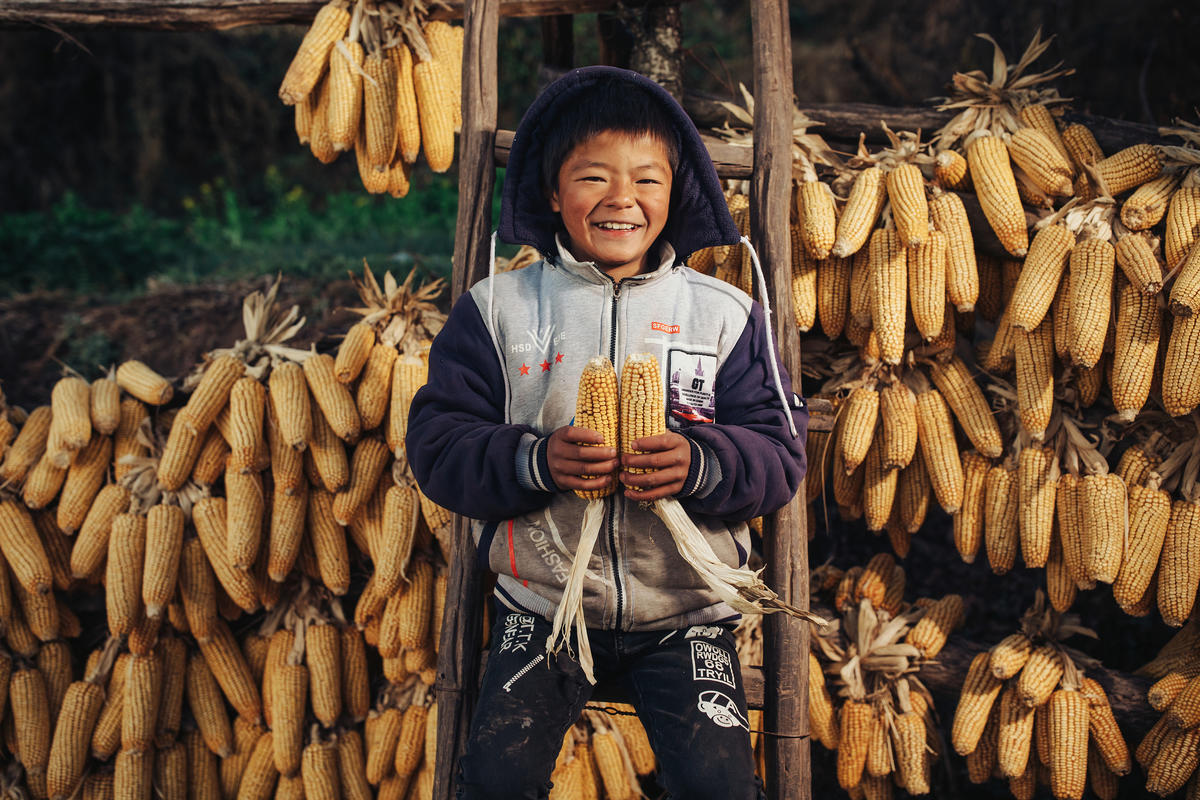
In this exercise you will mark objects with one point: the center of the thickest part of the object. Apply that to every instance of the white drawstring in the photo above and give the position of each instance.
(491, 275)
(766, 304)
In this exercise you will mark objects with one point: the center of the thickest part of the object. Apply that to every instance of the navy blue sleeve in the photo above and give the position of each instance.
(761, 465)
(463, 454)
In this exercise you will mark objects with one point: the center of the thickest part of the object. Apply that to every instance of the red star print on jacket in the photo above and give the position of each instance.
(545, 366)
(524, 369)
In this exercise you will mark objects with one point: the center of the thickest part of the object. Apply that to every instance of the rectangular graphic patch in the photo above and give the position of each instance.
(711, 663)
(691, 388)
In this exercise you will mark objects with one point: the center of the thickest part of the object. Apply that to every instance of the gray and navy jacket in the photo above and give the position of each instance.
(504, 374)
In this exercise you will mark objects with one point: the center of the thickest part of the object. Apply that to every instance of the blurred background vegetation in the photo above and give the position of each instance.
(136, 155)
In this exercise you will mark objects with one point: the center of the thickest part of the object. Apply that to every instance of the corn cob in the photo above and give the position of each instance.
(133, 774)
(912, 766)
(1001, 522)
(104, 405)
(1060, 586)
(1181, 369)
(889, 287)
(867, 197)
(879, 487)
(804, 283)
(309, 62)
(289, 692)
(319, 142)
(1034, 351)
(1183, 223)
(408, 375)
(1149, 513)
(106, 737)
(435, 108)
(209, 516)
(1040, 675)
(968, 522)
(345, 93)
(204, 782)
(906, 192)
(257, 782)
(329, 542)
(996, 188)
(164, 544)
(229, 667)
(1146, 207)
(856, 720)
(374, 390)
(379, 110)
(914, 493)
(833, 295)
(935, 432)
(1081, 145)
(290, 400)
(859, 414)
(71, 420)
(197, 590)
(1106, 735)
(352, 767)
(1068, 743)
(1037, 483)
(1135, 350)
(173, 654)
(211, 394)
(1039, 117)
(1035, 153)
(143, 693)
(366, 466)
(1016, 734)
(1039, 279)
(408, 127)
(1120, 172)
(246, 735)
(880, 760)
(334, 400)
(43, 483)
(950, 171)
(26, 450)
(1139, 262)
(123, 583)
(930, 633)
(144, 383)
(1179, 572)
(954, 381)
(818, 218)
(30, 715)
(325, 663)
(327, 456)
(1102, 502)
(356, 698)
(319, 770)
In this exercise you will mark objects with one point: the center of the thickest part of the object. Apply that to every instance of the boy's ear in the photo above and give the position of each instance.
(553, 200)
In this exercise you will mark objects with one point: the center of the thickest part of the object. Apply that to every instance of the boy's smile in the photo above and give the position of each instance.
(613, 194)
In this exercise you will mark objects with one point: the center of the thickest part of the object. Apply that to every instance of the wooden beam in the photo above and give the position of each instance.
(180, 15)
(785, 653)
(458, 651)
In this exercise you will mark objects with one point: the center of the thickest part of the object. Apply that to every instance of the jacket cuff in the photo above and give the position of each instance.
(704, 473)
(533, 467)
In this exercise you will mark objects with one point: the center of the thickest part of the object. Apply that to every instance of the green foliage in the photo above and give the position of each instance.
(221, 235)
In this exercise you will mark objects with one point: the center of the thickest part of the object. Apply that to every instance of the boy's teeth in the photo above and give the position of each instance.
(617, 226)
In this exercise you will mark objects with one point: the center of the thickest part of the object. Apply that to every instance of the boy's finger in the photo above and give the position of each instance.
(575, 467)
(582, 436)
(657, 443)
(655, 460)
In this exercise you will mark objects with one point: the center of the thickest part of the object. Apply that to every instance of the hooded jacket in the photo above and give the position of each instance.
(504, 373)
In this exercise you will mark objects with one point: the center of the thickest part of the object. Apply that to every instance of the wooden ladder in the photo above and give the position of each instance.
(784, 688)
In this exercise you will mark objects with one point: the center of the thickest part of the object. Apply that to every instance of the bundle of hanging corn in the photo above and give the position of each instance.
(884, 729)
(604, 755)
(1168, 753)
(1028, 713)
(380, 79)
(226, 497)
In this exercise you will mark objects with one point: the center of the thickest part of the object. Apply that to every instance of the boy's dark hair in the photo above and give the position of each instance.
(611, 105)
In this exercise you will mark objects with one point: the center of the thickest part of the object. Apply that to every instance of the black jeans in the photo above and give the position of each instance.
(686, 685)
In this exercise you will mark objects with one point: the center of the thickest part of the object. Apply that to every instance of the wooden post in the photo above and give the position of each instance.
(785, 696)
(458, 652)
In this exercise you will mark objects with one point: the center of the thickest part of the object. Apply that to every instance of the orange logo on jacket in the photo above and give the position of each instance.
(664, 327)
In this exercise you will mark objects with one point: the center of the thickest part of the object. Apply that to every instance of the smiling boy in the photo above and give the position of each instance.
(608, 178)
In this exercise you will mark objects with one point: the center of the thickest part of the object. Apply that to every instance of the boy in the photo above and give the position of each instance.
(608, 178)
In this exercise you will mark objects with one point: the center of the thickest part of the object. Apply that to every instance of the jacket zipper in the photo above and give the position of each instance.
(612, 525)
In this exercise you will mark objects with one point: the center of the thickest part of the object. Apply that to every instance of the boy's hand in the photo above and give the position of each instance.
(570, 458)
(669, 456)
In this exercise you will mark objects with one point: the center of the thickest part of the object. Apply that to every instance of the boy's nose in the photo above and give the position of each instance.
(620, 193)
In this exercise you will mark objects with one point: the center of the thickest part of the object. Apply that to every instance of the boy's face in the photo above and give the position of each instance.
(613, 194)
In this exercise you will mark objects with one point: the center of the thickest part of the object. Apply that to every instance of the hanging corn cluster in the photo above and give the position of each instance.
(380, 79)
(1028, 713)
(603, 756)
(265, 483)
(864, 698)
(1168, 753)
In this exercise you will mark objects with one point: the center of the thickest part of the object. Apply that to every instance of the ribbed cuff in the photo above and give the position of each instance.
(704, 473)
(533, 466)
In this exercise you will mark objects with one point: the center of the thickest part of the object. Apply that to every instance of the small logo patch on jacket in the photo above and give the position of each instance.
(664, 327)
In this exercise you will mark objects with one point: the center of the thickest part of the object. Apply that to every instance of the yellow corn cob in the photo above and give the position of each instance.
(106, 737)
(374, 389)
(197, 590)
(855, 723)
(1146, 207)
(1179, 572)
(822, 716)
(1039, 117)
(1092, 265)
(43, 483)
(204, 779)
(872, 581)
(818, 218)
(954, 381)
(927, 284)
(1070, 527)
(1001, 525)
(126, 444)
(1040, 675)
(84, 478)
(334, 400)
(435, 107)
(1102, 500)
(211, 460)
(962, 271)
(289, 397)
(996, 188)
(353, 352)
(1036, 489)
(1140, 263)
(914, 492)
(1181, 369)
(867, 197)
(1106, 735)
(833, 295)
(133, 774)
(860, 414)
(123, 581)
(210, 516)
(345, 93)
(382, 733)
(72, 737)
(325, 663)
(257, 781)
(70, 404)
(408, 127)
(1149, 513)
(906, 192)
(164, 544)
(889, 287)
(26, 450)
(1008, 656)
(104, 405)
(935, 432)
(912, 766)
(1068, 743)
(931, 631)
(401, 507)
(309, 62)
(804, 282)
(1185, 291)
(642, 410)
(352, 767)
(328, 456)
(879, 487)
(356, 697)
(246, 735)
(408, 375)
(968, 522)
(1174, 761)
(379, 109)
(445, 44)
(1040, 276)
(211, 394)
(280, 647)
(1135, 350)
(143, 692)
(30, 710)
(950, 171)
(320, 143)
(1034, 351)
(329, 542)
(1016, 734)
(54, 662)
(144, 383)
(173, 654)
(289, 695)
(880, 760)
(229, 667)
(171, 771)
(370, 458)
(1120, 172)
(1081, 145)
(246, 400)
(319, 770)
(1036, 154)
(1183, 223)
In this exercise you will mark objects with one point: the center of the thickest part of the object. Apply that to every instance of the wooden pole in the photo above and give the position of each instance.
(785, 540)
(458, 653)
